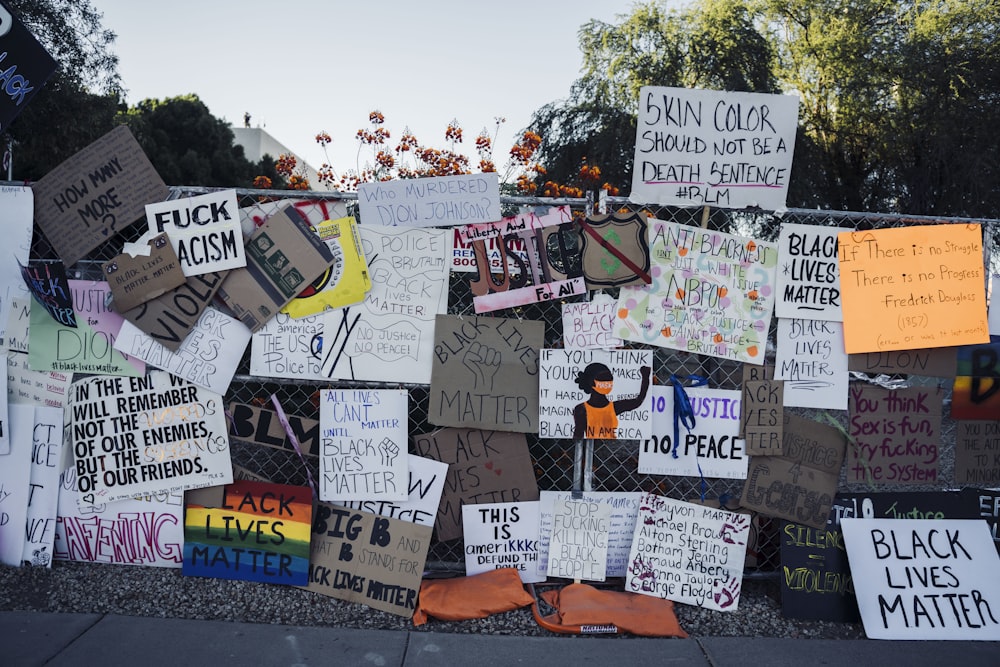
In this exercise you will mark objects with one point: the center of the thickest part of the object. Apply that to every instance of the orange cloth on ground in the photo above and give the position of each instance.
(464, 598)
(581, 604)
(601, 422)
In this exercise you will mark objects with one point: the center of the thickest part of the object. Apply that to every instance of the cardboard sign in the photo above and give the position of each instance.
(712, 293)
(426, 484)
(208, 357)
(95, 194)
(812, 362)
(590, 325)
(976, 391)
(43, 496)
(135, 279)
(924, 579)
(484, 467)
(688, 553)
(88, 348)
(800, 484)
(48, 283)
(26, 67)
(499, 535)
(16, 208)
(913, 287)
(709, 147)
(763, 417)
(132, 436)
(361, 557)
(283, 258)
(262, 427)
(346, 281)
(485, 373)
(148, 530)
(204, 231)
(711, 448)
(808, 282)
(363, 447)
(442, 201)
(896, 433)
(934, 362)
(15, 484)
(578, 541)
(595, 394)
(977, 453)
(260, 532)
(28, 387)
(170, 317)
(621, 525)
(614, 250)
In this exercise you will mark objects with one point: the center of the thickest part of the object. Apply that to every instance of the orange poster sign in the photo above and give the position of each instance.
(913, 287)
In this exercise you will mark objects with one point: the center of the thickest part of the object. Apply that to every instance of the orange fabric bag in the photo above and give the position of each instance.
(583, 609)
(464, 598)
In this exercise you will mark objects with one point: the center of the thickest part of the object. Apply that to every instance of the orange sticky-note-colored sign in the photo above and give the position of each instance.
(913, 287)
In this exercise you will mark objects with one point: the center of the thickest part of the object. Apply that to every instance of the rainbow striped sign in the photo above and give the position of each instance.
(260, 532)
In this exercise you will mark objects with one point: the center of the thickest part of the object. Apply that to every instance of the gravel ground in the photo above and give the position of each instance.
(158, 592)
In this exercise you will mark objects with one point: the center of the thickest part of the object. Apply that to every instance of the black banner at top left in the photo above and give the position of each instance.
(25, 66)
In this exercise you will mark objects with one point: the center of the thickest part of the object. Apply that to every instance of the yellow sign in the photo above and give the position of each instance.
(343, 284)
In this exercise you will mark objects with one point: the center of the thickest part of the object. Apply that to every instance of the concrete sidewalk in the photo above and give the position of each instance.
(81, 640)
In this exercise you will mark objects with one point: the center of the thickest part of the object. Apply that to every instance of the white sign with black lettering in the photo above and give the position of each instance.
(427, 478)
(499, 535)
(624, 507)
(578, 543)
(204, 231)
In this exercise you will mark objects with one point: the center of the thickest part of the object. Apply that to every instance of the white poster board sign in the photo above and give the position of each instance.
(441, 201)
(16, 215)
(925, 578)
(204, 231)
(812, 361)
(578, 541)
(711, 449)
(808, 279)
(713, 148)
(15, 484)
(426, 485)
(688, 553)
(624, 508)
(363, 444)
(43, 497)
(590, 324)
(499, 535)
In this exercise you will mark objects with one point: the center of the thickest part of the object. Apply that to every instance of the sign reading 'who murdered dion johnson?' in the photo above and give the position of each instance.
(711, 147)
(443, 201)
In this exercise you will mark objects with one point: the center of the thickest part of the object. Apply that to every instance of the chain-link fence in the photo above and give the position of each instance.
(561, 465)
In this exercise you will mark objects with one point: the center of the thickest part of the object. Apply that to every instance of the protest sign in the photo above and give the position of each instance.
(712, 293)
(88, 348)
(290, 348)
(763, 416)
(924, 578)
(578, 541)
(896, 434)
(977, 453)
(988, 508)
(260, 532)
(425, 486)
(484, 467)
(208, 357)
(43, 495)
(49, 286)
(812, 362)
(132, 436)
(142, 271)
(15, 484)
(800, 484)
(361, 557)
(621, 525)
(497, 251)
(712, 147)
(363, 445)
(26, 64)
(204, 231)
(499, 535)
(485, 373)
(934, 362)
(95, 194)
(595, 394)
(283, 258)
(4, 402)
(170, 317)
(262, 427)
(18, 318)
(976, 391)
(28, 387)
(688, 553)
(913, 287)
(441, 201)
(389, 336)
(614, 250)
(711, 448)
(313, 211)
(993, 314)
(808, 282)
(148, 530)
(590, 325)
(345, 282)
(16, 208)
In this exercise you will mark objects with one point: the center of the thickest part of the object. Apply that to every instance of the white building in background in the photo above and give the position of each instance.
(257, 143)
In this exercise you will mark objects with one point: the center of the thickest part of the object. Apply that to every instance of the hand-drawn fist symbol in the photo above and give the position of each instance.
(390, 450)
(483, 362)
